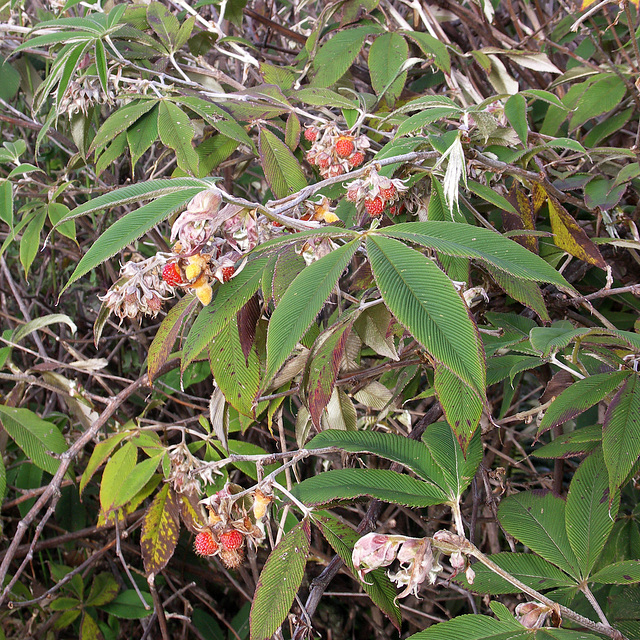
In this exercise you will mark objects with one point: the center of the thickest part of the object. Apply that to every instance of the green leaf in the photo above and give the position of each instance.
(30, 241)
(577, 443)
(524, 291)
(323, 98)
(373, 326)
(624, 572)
(601, 96)
(176, 131)
(590, 511)
(621, 432)
(462, 406)
(580, 396)
(378, 586)
(515, 109)
(164, 24)
(529, 568)
(128, 229)
(336, 56)
(89, 629)
(40, 323)
(548, 340)
(301, 304)
(432, 47)
(420, 120)
(56, 212)
(279, 582)
(463, 240)
(160, 531)
(425, 301)
(386, 56)
(381, 484)
(120, 120)
(237, 377)
(104, 589)
(38, 438)
(488, 194)
(99, 454)
(6, 202)
(539, 523)
(166, 335)
(281, 168)
(128, 606)
(141, 135)
(228, 300)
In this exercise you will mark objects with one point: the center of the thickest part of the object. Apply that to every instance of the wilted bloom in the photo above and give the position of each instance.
(373, 551)
(194, 227)
(417, 564)
(532, 615)
(140, 289)
(81, 95)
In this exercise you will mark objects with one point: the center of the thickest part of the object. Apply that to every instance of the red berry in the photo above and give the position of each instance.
(344, 146)
(323, 162)
(310, 134)
(204, 544)
(374, 207)
(227, 273)
(356, 159)
(171, 274)
(388, 194)
(231, 540)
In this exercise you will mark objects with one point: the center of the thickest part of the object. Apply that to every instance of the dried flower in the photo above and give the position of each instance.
(532, 615)
(194, 227)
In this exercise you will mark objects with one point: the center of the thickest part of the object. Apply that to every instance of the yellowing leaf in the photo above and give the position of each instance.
(160, 531)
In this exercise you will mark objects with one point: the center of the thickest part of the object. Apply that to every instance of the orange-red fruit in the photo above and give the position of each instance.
(323, 162)
(204, 544)
(388, 194)
(356, 159)
(374, 207)
(231, 540)
(310, 134)
(171, 274)
(227, 273)
(344, 146)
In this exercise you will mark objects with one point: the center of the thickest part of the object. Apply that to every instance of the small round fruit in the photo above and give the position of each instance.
(204, 544)
(374, 207)
(227, 273)
(231, 540)
(310, 134)
(344, 146)
(356, 159)
(171, 274)
(388, 194)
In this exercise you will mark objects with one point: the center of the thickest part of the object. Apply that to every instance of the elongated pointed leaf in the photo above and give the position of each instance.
(279, 582)
(579, 396)
(425, 301)
(160, 531)
(386, 56)
(590, 511)
(301, 304)
(462, 406)
(281, 168)
(176, 131)
(539, 523)
(621, 432)
(378, 586)
(38, 438)
(382, 484)
(128, 229)
(463, 240)
(549, 340)
(625, 572)
(142, 134)
(120, 120)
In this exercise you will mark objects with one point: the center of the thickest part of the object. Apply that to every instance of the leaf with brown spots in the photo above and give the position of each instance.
(571, 237)
(160, 531)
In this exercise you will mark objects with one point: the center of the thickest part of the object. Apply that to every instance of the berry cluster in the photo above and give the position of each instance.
(375, 193)
(335, 152)
(229, 545)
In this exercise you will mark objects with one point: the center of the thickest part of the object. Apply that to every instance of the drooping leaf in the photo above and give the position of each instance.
(382, 484)
(515, 109)
(590, 511)
(462, 406)
(163, 341)
(571, 237)
(38, 438)
(539, 523)
(228, 300)
(433, 48)
(279, 582)
(301, 304)
(386, 56)
(281, 168)
(160, 531)
(323, 367)
(377, 585)
(373, 326)
(529, 568)
(237, 377)
(128, 229)
(579, 396)
(524, 291)
(621, 432)
(30, 241)
(177, 131)
(340, 413)
(99, 454)
(425, 301)
(247, 319)
(336, 56)
(480, 244)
